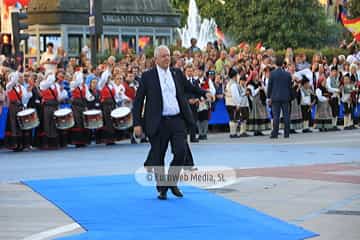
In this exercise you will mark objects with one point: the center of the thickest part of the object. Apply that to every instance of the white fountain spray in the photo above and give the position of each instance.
(203, 31)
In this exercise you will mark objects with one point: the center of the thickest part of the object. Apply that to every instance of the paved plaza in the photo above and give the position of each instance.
(311, 180)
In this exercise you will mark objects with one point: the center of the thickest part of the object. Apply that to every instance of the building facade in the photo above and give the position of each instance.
(127, 24)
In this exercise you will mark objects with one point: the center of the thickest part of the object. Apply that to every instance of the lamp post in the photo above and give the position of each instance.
(95, 27)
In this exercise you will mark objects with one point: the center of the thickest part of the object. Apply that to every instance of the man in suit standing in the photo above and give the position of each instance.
(279, 92)
(165, 117)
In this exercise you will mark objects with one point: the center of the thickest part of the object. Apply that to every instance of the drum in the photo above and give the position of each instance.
(122, 118)
(93, 119)
(64, 119)
(28, 119)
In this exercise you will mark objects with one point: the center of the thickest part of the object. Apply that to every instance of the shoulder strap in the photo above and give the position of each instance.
(17, 94)
(112, 96)
(81, 95)
(52, 93)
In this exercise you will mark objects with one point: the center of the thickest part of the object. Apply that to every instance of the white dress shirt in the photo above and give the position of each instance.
(320, 96)
(168, 92)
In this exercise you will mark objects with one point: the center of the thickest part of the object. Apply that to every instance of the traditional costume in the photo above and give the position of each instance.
(108, 100)
(204, 108)
(52, 94)
(307, 100)
(348, 98)
(296, 118)
(80, 95)
(323, 117)
(333, 87)
(231, 94)
(18, 96)
(259, 119)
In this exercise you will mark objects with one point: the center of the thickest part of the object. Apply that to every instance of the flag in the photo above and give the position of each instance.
(219, 34)
(259, 46)
(353, 25)
(144, 41)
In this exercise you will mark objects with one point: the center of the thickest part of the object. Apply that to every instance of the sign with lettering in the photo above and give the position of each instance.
(91, 16)
(139, 20)
(127, 20)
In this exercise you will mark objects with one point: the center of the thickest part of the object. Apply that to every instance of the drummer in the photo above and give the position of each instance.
(93, 90)
(52, 94)
(80, 95)
(94, 104)
(24, 82)
(120, 89)
(35, 102)
(18, 97)
(108, 101)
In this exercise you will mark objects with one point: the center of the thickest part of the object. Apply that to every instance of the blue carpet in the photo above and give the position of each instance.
(116, 207)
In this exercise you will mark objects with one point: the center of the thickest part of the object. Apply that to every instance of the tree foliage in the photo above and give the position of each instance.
(354, 8)
(277, 23)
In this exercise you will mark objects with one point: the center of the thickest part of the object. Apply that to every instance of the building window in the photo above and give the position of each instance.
(88, 43)
(144, 42)
(111, 44)
(55, 39)
(162, 40)
(74, 45)
(128, 42)
(44, 40)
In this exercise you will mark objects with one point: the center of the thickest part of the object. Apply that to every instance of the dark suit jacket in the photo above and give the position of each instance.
(279, 87)
(189, 95)
(150, 89)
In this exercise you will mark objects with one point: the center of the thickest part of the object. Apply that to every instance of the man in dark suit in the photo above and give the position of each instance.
(279, 91)
(165, 117)
(193, 100)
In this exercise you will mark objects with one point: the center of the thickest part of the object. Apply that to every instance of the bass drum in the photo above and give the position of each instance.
(28, 119)
(64, 119)
(93, 119)
(122, 118)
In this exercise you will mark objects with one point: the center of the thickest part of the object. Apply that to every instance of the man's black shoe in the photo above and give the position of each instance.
(202, 137)
(244, 135)
(307, 131)
(176, 191)
(287, 136)
(18, 149)
(335, 129)
(273, 137)
(258, 133)
(195, 140)
(162, 195)
(144, 140)
(234, 136)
